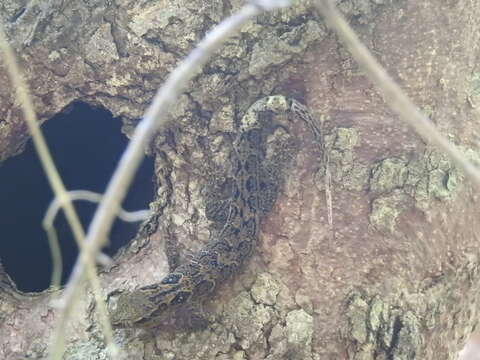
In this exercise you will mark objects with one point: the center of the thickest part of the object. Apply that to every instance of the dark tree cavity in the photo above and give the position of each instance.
(86, 144)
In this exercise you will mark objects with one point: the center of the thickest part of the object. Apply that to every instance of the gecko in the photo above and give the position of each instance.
(226, 252)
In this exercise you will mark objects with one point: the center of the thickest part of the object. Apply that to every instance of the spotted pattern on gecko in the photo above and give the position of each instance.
(225, 253)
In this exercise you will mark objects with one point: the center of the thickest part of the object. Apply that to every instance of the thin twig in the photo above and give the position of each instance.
(53, 176)
(154, 119)
(391, 92)
(86, 195)
(51, 213)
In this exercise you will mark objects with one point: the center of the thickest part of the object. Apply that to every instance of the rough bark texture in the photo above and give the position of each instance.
(397, 279)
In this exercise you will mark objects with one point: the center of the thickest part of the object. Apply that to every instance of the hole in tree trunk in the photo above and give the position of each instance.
(86, 144)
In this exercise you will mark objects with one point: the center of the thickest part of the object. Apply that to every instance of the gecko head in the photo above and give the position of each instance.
(145, 306)
(130, 308)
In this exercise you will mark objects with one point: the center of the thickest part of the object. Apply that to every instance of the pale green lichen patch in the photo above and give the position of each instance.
(378, 331)
(395, 181)
(274, 50)
(6, 307)
(250, 326)
(431, 177)
(345, 169)
(386, 209)
(389, 174)
(92, 349)
(222, 120)
(101, 47)
(278, 342)
(378, 313)
(473, 96)
(299, 329)
(265, 289)
(407, 336)
(203, 345)
(247, 320)
(237, 355)
(397, 324)
(346, 138)
(357, 317)
(166, 21)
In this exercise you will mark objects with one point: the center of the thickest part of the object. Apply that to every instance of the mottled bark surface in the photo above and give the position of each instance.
(397, 278)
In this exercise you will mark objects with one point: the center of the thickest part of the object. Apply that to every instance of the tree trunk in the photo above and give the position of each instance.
(392, 275)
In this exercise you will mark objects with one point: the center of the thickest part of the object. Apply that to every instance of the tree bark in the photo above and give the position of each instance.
(394, 276)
